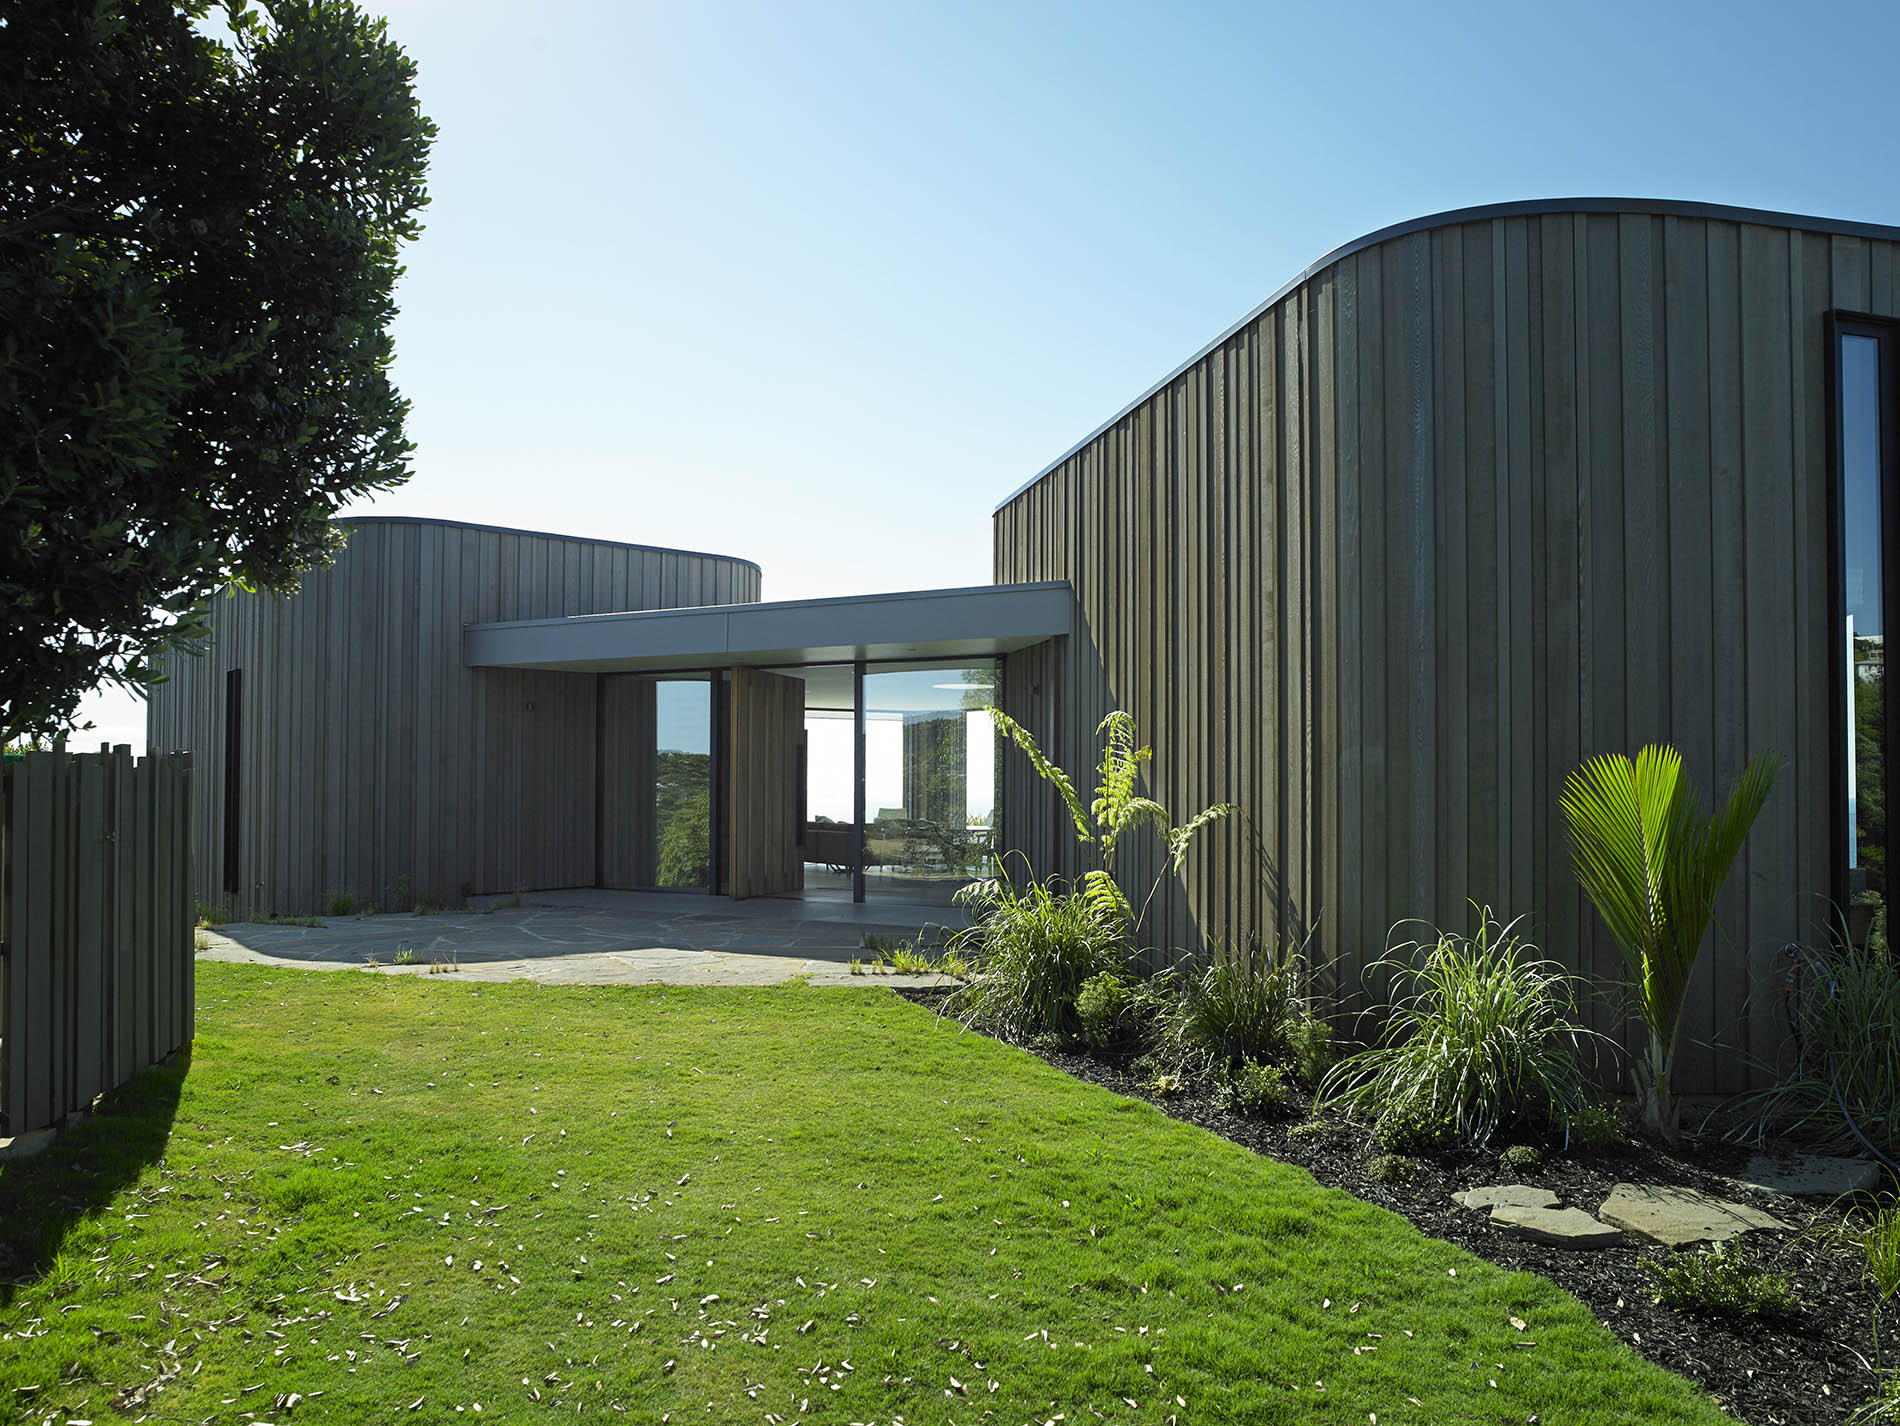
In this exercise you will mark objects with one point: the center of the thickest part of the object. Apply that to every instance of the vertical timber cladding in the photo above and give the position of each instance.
(1463, 507)
(375, 763)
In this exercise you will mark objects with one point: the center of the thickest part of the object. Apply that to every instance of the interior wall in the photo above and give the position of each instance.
(627, 848)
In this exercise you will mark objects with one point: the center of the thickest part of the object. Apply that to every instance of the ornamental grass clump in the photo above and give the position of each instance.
(1841, 1094)
(1250, 1003)
(1481, 1035)
(1029, 951)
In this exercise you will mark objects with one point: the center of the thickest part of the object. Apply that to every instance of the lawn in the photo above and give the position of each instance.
(371, 1193)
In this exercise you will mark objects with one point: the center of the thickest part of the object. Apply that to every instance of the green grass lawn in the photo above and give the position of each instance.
(773, 1206)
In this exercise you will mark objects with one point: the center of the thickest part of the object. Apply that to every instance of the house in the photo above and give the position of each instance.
(1469, 500)
(452, 710)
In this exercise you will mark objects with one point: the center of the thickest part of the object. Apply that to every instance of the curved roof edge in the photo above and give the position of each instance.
(1660, 207)
(540, 535)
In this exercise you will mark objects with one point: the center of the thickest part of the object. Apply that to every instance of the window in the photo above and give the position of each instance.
(233, 776)
(1864, 435)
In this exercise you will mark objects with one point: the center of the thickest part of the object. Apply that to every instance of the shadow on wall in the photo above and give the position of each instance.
(1060, 691)
(45, 1201)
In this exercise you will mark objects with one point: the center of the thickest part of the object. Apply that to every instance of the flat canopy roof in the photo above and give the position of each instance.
(917, 624)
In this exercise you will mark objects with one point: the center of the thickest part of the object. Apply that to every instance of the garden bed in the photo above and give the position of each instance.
(1817, 1367)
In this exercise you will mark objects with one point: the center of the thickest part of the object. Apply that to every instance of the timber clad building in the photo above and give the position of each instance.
(1470, 500)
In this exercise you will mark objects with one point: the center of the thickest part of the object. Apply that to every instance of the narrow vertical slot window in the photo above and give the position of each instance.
(233, 777)
(1863, 355)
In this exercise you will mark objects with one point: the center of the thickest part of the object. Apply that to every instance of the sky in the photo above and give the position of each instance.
(818, 285)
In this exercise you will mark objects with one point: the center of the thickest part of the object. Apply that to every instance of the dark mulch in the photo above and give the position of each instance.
(1816, 1368)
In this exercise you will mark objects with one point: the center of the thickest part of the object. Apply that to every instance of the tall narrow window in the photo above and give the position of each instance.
(1864, 433)
(233, 775)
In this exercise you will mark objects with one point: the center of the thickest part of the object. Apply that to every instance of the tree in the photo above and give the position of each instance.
(198, 256)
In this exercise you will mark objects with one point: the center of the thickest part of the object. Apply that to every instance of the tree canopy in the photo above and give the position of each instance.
(201, 207)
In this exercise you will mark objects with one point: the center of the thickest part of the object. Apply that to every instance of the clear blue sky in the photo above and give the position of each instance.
(818, 284)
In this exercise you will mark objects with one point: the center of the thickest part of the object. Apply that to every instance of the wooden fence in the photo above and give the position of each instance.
(95, 926)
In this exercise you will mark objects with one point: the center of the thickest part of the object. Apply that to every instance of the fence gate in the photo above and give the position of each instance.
(95, 925)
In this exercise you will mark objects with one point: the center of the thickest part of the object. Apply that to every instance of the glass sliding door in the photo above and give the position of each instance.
(655, 818)
(1864, 451)
(830, 827)
(930, 778)
(682, 784)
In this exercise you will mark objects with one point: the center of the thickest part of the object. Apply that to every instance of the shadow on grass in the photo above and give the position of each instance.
(43, 1198)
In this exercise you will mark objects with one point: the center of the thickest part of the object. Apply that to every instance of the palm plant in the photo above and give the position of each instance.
(1653, 863)
(1117, 809)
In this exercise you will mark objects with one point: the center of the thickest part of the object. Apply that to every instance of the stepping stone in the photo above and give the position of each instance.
(1811, 1175)
(1511, 1195)
(25, 1146)
(1677, 1217)
(1560, 1227)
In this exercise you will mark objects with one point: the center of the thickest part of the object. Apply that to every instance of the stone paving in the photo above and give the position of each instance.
(1811, 1175)
(1534, 1213)
(602, 938)
(1678, 1217)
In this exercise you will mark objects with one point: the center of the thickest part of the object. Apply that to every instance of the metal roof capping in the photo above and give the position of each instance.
(1659, 207)
(541, 535)
(911, 624)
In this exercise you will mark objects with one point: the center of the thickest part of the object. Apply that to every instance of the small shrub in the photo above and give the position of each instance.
(1391, 1169)
(1521, 1157)
(1258, 1090)
(405, 956)
(1414, 1129)
(1106, 1007)
(856, 966)
(370, 963)
(341, 903)
(1165, 1084)
(444, 965)
(1031, 950)
(1883, 1405)
(1481, 1036)
(1596, 1129)
(209, 915)
(1310, 1048)
(1722, 1281)
(200, 941)
(1316, 1131)
(401, 892)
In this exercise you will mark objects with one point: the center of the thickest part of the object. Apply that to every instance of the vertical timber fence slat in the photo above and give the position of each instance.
(96, 976)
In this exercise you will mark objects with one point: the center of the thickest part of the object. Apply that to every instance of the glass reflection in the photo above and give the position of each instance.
(930, 771)
(1862, 597)
(682, 783)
